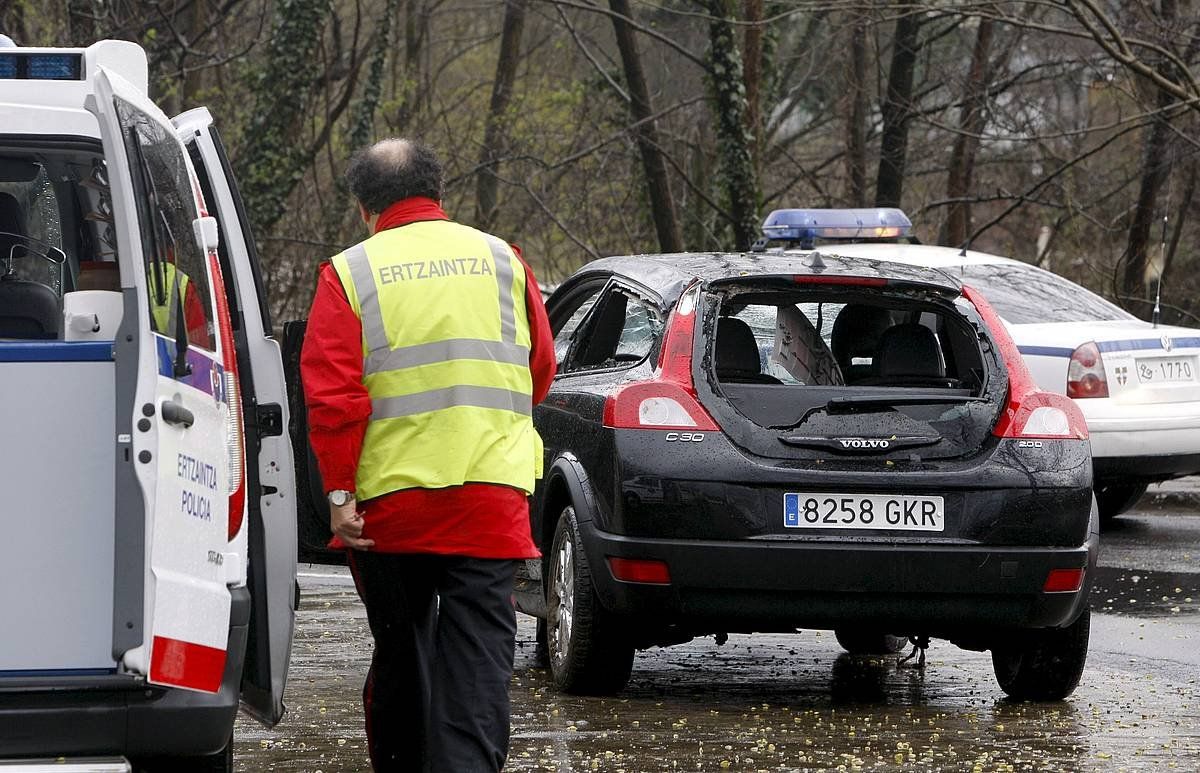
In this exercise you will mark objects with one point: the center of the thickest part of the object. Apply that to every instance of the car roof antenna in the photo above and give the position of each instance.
(1156, 315)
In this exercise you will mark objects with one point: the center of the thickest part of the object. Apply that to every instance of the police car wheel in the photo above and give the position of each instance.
(1115, 498)
(588, 656)
(1043, 665)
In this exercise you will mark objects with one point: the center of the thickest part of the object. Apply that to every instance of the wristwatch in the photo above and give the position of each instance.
(340, 496)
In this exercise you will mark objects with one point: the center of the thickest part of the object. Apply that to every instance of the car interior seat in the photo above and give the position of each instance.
(737, 357)
(855, 335)
(908, 352)
(28, 310)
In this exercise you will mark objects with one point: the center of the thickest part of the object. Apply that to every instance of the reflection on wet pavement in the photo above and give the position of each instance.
(796, 702)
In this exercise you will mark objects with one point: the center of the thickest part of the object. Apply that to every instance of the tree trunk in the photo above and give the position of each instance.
(736, 176)
(272, 160)
(754, 57)
(1154, 173)
(972, 120)
(362, 121)
(1138, 267)
(487, 183)
(645, 132)
(897, 110)
(856, 114)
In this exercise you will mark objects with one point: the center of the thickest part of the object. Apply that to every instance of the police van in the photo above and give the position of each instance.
(147, 489)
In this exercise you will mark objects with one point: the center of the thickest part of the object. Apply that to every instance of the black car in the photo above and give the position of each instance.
(785, 440)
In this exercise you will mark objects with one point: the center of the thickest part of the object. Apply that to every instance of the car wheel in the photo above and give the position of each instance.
(587, 654)
(1044, 665)
(221, 762)
(1115, 498)
(858, 641)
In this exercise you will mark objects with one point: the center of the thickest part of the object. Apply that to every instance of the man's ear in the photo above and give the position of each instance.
(362, 211)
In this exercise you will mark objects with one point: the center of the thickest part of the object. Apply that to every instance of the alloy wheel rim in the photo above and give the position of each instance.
(564, 592)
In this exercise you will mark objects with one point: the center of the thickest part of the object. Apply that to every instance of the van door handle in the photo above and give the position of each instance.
(175, 413)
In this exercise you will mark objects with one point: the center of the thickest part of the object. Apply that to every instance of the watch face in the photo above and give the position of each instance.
(339, 497)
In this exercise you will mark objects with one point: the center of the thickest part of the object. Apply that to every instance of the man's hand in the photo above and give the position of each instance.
(347, 523)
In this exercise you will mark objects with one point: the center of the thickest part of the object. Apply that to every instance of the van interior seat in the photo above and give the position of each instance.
(12, 225)
(28, 310)
(737, 357)
(909, 350)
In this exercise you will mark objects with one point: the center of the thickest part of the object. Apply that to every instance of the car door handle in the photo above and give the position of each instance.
(175, 413)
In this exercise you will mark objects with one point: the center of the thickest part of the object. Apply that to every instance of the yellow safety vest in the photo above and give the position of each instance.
(164, 314)
(446, 359)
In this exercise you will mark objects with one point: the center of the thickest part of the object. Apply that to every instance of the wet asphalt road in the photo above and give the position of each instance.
(796, 702)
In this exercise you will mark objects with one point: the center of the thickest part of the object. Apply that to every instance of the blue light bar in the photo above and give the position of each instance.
(35, 66)
(805, 225)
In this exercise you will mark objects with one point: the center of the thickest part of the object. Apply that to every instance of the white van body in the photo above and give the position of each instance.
(147, 485)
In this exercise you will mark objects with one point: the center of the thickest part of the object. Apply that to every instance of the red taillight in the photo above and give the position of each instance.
(642, 570)
(854, 281)
(1085, 374)
(1063, 581)
(234, 435)
(667, 401)
(1030, 412)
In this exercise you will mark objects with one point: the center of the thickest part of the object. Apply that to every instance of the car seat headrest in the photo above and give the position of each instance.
(909, 350)
(856, 332)
(737, 351)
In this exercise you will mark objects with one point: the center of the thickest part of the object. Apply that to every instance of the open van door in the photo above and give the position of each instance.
(270, 475)
(179, 400)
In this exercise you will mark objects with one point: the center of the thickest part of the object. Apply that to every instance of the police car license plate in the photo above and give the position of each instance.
(1165, 370)
(864, 511)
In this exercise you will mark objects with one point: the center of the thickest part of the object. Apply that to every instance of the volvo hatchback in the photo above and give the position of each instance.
(713, 467)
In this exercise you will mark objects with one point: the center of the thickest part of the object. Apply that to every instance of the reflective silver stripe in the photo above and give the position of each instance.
(504, 278)
(368, 298)
(441, 351)
(451, 397)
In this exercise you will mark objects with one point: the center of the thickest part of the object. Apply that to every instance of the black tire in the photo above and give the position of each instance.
(1043, 665)
(1115, 498)
(588, 656)
(221, 762)
(541, 647)
(859, 641)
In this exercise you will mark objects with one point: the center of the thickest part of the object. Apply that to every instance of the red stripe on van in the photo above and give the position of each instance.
(183, 664)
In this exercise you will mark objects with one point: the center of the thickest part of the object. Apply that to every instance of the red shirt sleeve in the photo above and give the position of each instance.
(194, 318)
(542, 363)
(331, 367)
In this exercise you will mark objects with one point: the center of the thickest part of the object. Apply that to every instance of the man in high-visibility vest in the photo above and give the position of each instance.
(427, 347)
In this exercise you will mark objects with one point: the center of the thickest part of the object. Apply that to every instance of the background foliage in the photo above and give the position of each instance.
(1060, 132)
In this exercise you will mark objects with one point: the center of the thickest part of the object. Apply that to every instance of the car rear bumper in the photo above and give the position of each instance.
(1147, 430)
(110, 718)
(756, 585)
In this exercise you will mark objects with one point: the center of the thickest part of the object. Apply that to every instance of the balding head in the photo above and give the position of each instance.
(392, 170)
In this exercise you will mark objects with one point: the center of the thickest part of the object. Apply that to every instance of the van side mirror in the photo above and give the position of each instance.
(207, 233)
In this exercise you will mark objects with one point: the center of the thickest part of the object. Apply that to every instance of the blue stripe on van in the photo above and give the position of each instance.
(57, 672)
(56, 351)
(1046, 351)
(207, 374)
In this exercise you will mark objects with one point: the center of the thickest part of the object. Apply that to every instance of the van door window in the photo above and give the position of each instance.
(176, 269)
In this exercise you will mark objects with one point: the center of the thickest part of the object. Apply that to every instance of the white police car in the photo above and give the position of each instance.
(1137, 384)
(147, 495)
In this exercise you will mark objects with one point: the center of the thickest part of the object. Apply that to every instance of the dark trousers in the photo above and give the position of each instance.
(436, 698)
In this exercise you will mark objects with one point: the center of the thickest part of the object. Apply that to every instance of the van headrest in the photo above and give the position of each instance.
(28, 310)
